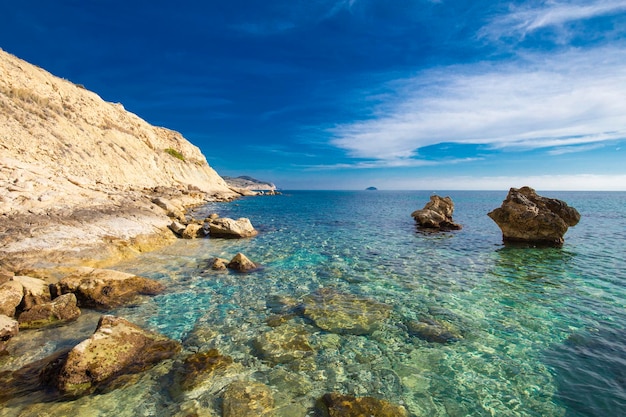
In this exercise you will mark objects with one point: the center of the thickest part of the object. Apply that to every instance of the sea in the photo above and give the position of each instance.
(538, 331)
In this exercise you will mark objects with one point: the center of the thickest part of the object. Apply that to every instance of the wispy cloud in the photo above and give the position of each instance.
(575, 149)
(526, 19)
(395, 163)
(578, 97)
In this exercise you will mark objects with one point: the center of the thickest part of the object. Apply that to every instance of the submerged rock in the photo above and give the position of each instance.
(60, 310)
(106, 288)
(338, 405)
(229, 228)
(437, 214)
(8, 329)
(11, 294)
(344, 313)
(247, 399)
(283, 344)
(198, 367)
(527, 217)
(436, 331)
(241, 263)
(117, 348)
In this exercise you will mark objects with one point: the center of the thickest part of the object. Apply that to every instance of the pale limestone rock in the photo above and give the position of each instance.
(225, 227)
(36, 291)
(177, 227)
(11, 294)
(171, 209)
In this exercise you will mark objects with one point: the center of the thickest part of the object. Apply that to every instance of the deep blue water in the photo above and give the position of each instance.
(543, 329)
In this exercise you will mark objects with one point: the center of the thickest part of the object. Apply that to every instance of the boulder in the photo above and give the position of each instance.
(192, 231)
(229, 228)
(106, 288)
(177, 227)
(437, 214)
(344, 313)
(247, 399)
(61, 310)
(171, 210)
(218, 264)
(8, 329)
(11, 294)
(241, 263)
(36, 291)
(527, 217)
(338, 405)
(436, 331)
(117, 348)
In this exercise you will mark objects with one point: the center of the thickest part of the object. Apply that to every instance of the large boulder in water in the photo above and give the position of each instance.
(437, 214)
(229, 228)
(117, 348)
(106, 288)
(527, 217)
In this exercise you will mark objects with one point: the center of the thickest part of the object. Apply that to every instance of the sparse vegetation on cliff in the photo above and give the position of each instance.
(175, 154)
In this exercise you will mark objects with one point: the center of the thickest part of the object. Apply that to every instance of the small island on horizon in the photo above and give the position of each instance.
(371, 189)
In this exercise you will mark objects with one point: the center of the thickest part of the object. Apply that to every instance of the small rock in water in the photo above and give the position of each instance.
(437, 214)
(241, 263)
(218, 264)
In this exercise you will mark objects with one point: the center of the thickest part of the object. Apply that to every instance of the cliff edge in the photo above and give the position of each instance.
(77, 173)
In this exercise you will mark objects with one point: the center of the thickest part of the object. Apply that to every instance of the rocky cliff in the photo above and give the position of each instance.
(248, 183)
(69, 158)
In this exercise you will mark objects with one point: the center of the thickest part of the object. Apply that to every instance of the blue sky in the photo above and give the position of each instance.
(345, 94)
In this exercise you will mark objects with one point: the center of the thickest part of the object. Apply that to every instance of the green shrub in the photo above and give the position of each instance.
(175, 153)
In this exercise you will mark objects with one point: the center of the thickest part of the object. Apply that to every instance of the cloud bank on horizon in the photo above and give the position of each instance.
(349, 93)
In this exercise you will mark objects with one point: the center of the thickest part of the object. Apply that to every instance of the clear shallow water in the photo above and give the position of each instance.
(543, 329)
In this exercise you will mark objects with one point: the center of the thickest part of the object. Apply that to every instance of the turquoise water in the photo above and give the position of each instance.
(542, 331)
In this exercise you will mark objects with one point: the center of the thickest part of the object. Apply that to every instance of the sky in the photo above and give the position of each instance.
(347, 94)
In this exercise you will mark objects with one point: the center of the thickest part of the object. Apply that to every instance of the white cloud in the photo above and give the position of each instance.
(573, 98)
(524, 20)
(395, 163)
(574, 149)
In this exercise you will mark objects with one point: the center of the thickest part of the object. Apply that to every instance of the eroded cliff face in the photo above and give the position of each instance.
(69, 158)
